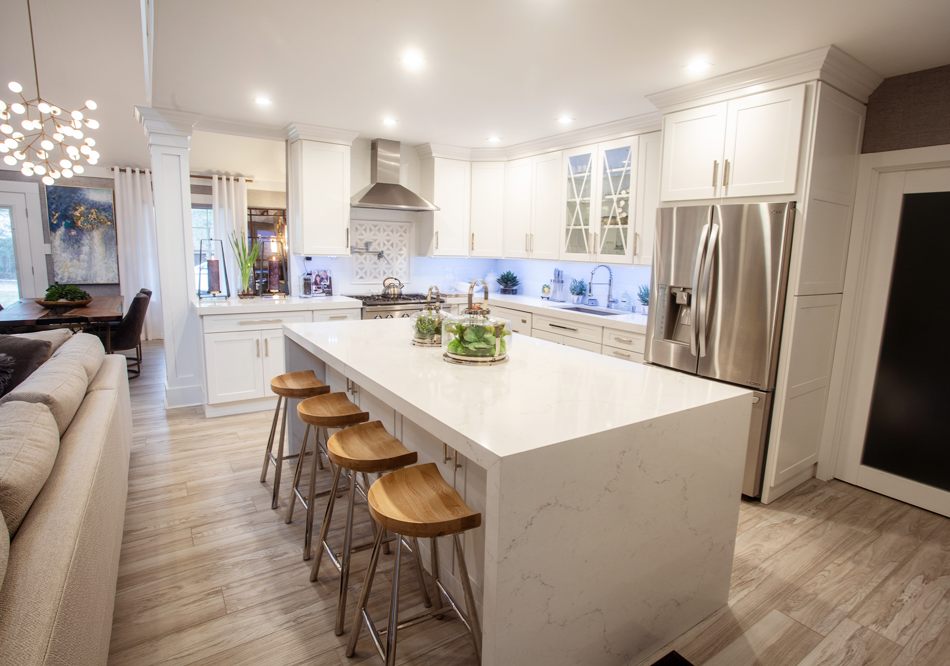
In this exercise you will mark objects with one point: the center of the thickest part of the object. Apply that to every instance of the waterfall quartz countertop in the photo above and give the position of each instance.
(262, 305)
(547, 393)
(609, 490)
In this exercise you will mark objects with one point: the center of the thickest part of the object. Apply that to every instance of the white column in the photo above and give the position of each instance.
(168, 133)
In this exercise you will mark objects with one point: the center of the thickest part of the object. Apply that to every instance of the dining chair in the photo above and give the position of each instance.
(127, 334)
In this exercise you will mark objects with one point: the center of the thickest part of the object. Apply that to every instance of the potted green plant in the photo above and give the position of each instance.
(643, 295)
(245, 254)
(508, 282)
(578, 289)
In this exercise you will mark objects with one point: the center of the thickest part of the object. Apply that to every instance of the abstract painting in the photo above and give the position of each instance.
(82, 235)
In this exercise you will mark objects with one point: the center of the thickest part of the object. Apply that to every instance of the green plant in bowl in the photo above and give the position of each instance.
(427, 327)
(476, 340)
(65, 292)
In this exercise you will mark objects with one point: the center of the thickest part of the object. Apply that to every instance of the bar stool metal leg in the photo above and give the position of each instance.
(280, 457)
(297, 470)
(347, 556)
(394, 609)
(270, 440)
(361, 614)
(308, 528)
(434, 543)
(417, 558)
(325, 528)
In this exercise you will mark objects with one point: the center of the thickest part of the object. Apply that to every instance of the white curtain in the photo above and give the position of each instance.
(137, 239)
(229, 205)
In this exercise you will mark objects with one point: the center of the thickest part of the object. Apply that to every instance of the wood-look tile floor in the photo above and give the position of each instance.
(829, 575)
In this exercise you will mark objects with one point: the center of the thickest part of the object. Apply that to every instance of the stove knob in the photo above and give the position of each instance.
(389, 316)
(377, 317)
(405, 316)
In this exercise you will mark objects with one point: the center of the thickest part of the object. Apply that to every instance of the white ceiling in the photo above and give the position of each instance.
(502, 67)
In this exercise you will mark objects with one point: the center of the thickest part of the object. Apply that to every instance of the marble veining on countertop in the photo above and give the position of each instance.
(256, 305)
(547, 393)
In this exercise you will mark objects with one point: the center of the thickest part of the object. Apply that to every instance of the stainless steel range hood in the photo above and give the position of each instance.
(384, 190)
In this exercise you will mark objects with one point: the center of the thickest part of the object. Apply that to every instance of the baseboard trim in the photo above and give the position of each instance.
(240, 407)
(183, 396)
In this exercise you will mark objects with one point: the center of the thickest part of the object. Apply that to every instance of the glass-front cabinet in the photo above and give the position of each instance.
(600, 201)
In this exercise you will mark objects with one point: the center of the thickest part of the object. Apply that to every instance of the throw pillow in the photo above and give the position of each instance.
(29, 443)
(29, 355)
(7, 366)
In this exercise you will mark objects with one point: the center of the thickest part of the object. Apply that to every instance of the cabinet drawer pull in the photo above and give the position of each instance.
(619, 353)
(626, 341)
(258, 348)
(715, 173)
(566, 328)
(267, 347)
(339, 317)
(725, 173)
(261, 321)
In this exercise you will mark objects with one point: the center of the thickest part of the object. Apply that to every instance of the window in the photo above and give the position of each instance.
(9, 288)
(202, 226)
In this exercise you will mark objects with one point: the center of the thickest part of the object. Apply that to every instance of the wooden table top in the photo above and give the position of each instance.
(26, 312)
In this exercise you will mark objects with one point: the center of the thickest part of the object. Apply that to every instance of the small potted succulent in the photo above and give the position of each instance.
(643, 295)
(578, 289)
(508, 282)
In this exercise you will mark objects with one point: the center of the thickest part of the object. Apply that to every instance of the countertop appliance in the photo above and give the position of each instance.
(717, 302)
(380, 306)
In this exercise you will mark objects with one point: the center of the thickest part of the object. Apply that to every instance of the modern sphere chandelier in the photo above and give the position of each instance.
(52, 143)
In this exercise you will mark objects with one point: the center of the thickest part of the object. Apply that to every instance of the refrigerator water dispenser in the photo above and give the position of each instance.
(673, 316)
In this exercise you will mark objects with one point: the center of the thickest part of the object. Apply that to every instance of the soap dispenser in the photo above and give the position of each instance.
(626, 302)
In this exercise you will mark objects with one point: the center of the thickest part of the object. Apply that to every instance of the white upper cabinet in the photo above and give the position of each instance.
(546, 196)
(648, 198)
(488, 209)
(517, 223)
(692, 153)
(763, 135)
(742, 148)
(615, 201)
(578, 235)
(319, 197)
(446, 183)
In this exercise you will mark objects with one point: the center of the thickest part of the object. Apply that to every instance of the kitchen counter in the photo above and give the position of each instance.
(609, 490)
(635, 323)
(263, 305)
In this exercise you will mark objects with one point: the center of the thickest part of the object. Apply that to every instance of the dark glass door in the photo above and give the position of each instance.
(909, 426)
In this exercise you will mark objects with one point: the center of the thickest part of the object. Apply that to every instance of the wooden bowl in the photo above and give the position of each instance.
(63, 304)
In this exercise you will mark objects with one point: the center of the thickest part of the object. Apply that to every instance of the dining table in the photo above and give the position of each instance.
(28, 315)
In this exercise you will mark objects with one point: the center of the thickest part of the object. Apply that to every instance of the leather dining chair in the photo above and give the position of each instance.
(127, 334)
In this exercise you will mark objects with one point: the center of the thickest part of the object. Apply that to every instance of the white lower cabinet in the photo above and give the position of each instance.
(273, 357)
(235, 368)
(623, 354)
(520, 321)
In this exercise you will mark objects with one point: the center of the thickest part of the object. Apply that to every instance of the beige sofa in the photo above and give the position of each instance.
(72, 420)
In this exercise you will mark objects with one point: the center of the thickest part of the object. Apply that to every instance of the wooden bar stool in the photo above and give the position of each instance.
(291, 385)
(417, 502)
(366, 449)
(331, 410)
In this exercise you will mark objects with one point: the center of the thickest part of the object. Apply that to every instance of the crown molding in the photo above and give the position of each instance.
(298, 131)
(650, 122)
(828, 63)
(166, 121)
(234, 128)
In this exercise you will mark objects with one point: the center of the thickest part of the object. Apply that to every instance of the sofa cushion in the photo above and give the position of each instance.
(29, 442)
(60, 384)
(112, 374)
(86, 349)
(56, 336)
(29, 355)
(4, 548)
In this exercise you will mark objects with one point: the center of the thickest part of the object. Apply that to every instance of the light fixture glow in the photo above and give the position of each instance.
(494, 139)
(389, 121)
(263, 101)
(698, 65)
(15, 87)
(47, 180)
(565, 120)
(412, 60)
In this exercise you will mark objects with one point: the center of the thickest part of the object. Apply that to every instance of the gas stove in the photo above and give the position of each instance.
(377, 306)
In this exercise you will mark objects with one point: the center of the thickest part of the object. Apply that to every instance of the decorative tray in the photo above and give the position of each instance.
(63, 304)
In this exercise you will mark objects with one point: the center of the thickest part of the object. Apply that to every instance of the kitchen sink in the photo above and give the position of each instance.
(587, 309)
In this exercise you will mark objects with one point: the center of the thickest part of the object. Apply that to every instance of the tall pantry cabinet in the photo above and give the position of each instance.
(798, 141)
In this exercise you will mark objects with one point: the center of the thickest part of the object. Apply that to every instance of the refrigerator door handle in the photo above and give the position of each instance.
(694, 305)
(705, 288)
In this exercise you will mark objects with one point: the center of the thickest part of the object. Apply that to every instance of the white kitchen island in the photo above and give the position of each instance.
(609, 490)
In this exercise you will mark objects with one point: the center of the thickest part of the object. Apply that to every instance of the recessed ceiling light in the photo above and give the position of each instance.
(389, 121)
(698, 65)
(494, 139)
(565, 120)
(412, 60)
(263, 101)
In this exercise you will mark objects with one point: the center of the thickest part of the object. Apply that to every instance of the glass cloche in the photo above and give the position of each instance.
(427, 323)
(475, 337)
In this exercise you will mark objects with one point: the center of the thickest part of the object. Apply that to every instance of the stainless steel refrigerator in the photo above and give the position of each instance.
(717, 302)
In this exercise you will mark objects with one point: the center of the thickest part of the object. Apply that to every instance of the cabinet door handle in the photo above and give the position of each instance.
(532, 242)
(338, 317)
(436, 240)
(725, 173)
(258, 348)
(636, 244)
(619, 353)
(566, 328)
(526, 242)
(267, 347)
(626, 341)
(347, 239)
(473, 240)
(715, 173)
(261, 321)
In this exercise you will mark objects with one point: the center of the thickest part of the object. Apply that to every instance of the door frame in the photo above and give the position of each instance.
(883, 179)
(33, 283)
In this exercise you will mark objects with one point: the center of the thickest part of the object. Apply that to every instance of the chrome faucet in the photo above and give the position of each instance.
(611, 302)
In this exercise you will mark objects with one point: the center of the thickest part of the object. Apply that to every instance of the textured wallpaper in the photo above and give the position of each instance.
(909, 111)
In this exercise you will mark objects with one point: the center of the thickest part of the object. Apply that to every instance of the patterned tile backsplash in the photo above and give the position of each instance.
(393, 239)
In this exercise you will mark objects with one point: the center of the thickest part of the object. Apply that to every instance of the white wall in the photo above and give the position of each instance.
(225, 154)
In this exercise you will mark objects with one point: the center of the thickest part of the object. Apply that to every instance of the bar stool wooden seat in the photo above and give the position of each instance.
(290, 385)
(366, 449)
(330, 410)
(417, 502)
